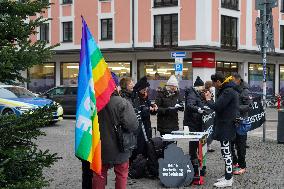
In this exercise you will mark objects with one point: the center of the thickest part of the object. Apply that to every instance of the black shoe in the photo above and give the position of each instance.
(247, 146)
(211, 150)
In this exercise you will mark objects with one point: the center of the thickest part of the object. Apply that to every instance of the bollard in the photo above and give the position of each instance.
(278, 102)
(280, 127)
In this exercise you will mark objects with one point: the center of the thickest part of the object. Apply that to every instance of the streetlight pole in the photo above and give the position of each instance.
(264, 60)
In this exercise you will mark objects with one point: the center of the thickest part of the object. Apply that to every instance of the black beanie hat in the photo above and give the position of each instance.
(198, 82)
(141, 84)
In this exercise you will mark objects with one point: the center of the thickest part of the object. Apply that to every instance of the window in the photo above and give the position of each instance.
(229, 38)
(44, 32)
(66, 1)
(282, 37)
(67, 31)
(71, 90)
(42, 77)
(69, 73)
(122, 69)
(227, 68)
(165, 3)
(230, 4)
(158, 72)
(106, 29)
(166, 30)
(282, 6)
(57, 91)
(256, 77)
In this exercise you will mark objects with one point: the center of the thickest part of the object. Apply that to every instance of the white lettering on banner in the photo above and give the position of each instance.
(256, 117)
(89, 105)
(84, 123)
(255, 105)
(205, 118)
(210, 130)
(173, 171)
(225, 148)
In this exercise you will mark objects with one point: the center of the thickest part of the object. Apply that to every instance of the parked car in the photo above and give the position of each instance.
(17, 100)
(64, 95)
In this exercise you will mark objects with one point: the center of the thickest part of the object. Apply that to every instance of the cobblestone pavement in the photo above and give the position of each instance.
(265, 161)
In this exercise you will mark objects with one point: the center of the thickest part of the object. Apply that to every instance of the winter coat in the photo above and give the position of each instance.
(192, 118)
(127, 95)
(123, 113)
(244, 98)
(226, 108)
(167, 118)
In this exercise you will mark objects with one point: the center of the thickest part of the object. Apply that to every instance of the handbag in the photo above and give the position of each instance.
(126, 141)
(244, 126)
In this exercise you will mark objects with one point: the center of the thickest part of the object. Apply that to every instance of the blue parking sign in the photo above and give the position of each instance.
(178, 67)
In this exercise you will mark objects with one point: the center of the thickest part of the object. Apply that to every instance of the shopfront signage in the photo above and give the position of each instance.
(178, 54)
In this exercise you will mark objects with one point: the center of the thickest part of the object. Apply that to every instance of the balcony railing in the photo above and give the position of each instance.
(166, 40)
(164, 3)
(230, 4)
(229, 42)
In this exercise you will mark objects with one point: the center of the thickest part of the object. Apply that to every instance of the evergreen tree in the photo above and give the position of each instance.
(17, 52)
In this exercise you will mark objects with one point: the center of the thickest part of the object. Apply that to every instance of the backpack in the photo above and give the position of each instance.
(138, 168)
(155, 150)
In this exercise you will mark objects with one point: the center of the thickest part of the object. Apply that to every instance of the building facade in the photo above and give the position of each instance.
(137, 37)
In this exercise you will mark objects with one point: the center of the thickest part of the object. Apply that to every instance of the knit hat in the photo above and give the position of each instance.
(198, 82)
(141, 84)
(173, 81)
(115, 78)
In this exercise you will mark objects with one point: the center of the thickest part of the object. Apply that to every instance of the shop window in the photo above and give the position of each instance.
(42, 77)
(166, 30)
(165, 3)
(282, 37)
(67, 31)
(70, 71)
(229, 38)
(106, 29)
(44, 32)
(256, 78)
(282, 6)
(158, 72)
(122, 69)
(227, 68)
(230, 4)
(281, 80)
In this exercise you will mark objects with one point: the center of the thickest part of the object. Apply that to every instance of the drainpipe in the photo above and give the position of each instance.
(133, 32)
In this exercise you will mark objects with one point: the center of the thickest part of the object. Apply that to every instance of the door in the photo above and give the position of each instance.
(71, 100)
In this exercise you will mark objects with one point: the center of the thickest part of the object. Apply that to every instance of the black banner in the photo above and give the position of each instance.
(256, 113)
(208, 124)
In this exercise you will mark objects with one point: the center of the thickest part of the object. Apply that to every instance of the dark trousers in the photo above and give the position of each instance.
(240, 145)
(87, 175)
(227, 156)
(193, 146)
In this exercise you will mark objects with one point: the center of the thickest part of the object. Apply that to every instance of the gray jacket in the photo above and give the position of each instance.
(123, 113)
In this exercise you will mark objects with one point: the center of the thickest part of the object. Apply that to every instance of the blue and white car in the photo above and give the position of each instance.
(17, 100)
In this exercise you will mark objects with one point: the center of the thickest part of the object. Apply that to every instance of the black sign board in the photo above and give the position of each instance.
(176, 169)
(256, 113)
(208, 124)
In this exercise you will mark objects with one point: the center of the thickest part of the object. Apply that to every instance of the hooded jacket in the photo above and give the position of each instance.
(192, 118)
(244, 98)
(118, 110)
(227, 109)
(167, 118)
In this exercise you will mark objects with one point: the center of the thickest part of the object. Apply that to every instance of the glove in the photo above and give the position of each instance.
(200, 111)
(206, 107)
(178, 106)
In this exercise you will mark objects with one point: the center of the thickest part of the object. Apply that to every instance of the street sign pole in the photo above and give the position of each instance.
(264, 48)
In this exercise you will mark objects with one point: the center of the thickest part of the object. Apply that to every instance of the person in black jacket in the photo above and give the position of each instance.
(144, 108)
(169, 103)
(239, 159)
(118, 110)
(226, 108)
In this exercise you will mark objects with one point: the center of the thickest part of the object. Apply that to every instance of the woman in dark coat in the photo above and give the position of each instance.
(226, 108)
(169, 103)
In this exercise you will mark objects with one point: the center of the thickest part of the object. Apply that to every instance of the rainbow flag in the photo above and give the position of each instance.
(95, 86)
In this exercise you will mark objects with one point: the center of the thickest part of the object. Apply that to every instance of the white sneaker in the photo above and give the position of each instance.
(220, 179)
(224, 183)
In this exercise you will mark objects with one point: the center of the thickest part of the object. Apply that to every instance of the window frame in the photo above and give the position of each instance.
(109, 36)
(228, 4)
(282, 36)
(229, 26)
(164, 3)
(63, 32)
(67, 2)
(279, 88)
(162, 38)
(44, 26)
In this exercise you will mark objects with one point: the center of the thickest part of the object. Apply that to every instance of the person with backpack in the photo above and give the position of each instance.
(226, 112)
(118, 112)
(194, 109)
(239, 159)
(169, 102)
